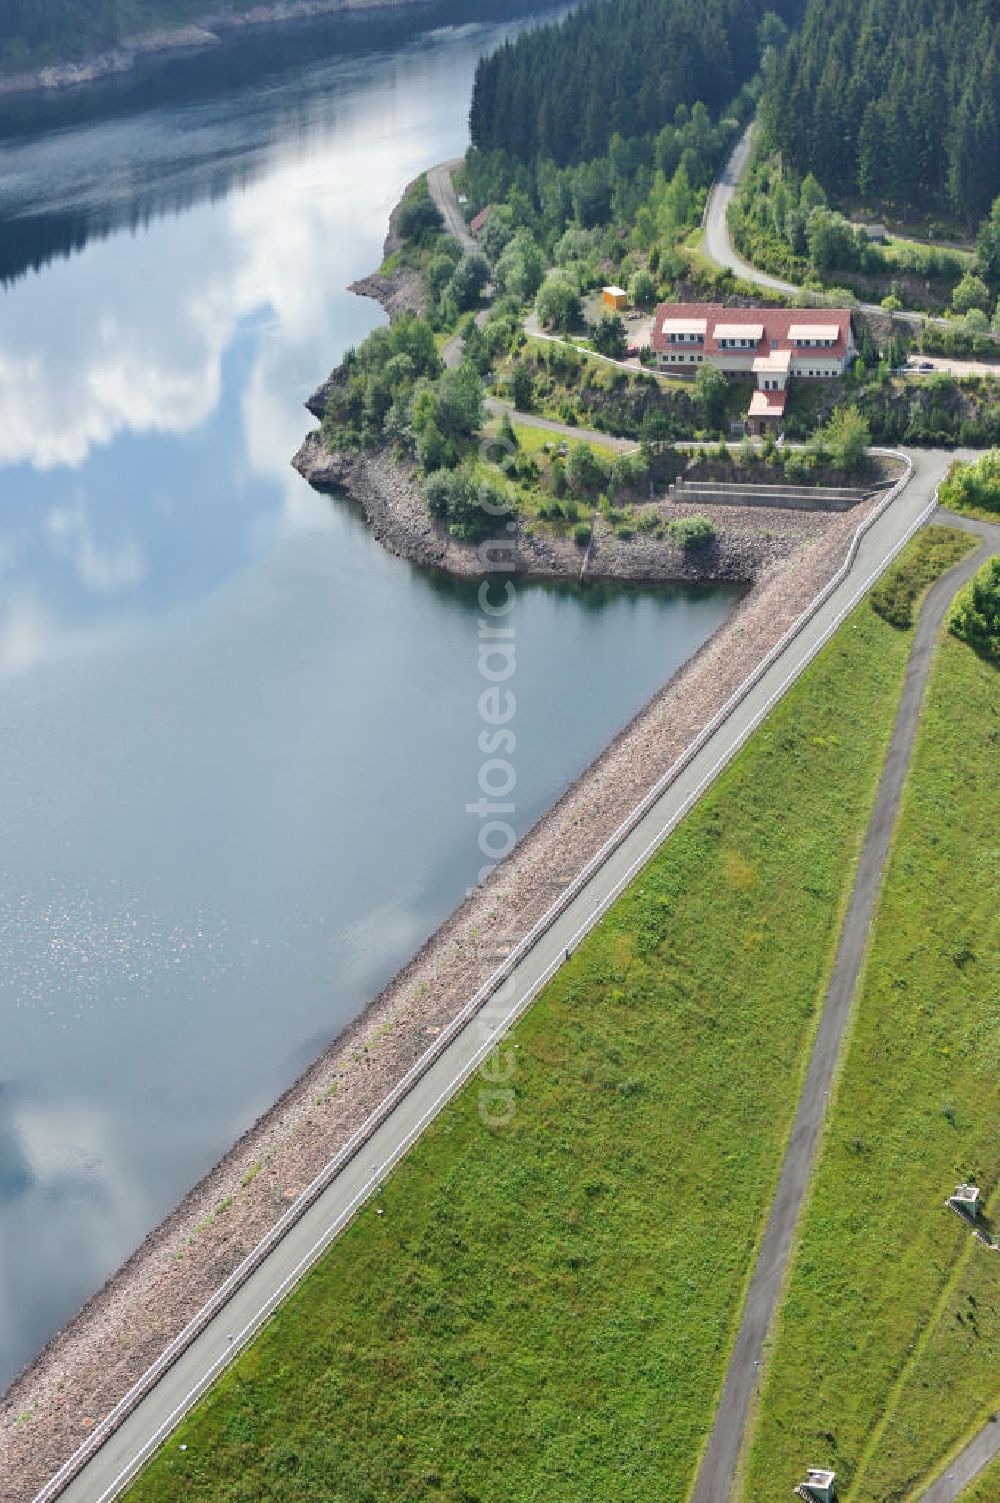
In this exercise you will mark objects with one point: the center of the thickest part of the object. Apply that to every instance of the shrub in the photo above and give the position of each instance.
(521, 267)
(642, 289)
(608, 336)
(797, 467)
(419, 216)
(581, 534)
(468, 280)
(693, 533)
(970, 292)
(932, 551)
(471, 508)
(522, 387)
(976, 615)
(584, 471)
(973, 486)
(558, 303)
(843, 440)
(712, 393)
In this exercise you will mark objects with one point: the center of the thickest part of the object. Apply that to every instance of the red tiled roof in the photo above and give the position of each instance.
(767, 404)
(476, 224)
(776, 323)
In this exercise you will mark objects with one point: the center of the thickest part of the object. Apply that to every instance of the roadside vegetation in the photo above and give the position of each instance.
(936, 409)
(887, 1351)
(932, 551)
(783, 223)
(976, 616)
(550, 1304)
(974, 488)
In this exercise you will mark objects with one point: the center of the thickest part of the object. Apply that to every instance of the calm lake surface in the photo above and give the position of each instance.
(236, 739)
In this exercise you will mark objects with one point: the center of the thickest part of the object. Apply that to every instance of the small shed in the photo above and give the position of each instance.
(615, 297)
(820, 1485)
(479, 220)
(966, 1200)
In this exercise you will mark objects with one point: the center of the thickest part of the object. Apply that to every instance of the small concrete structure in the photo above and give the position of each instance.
(615, 297)
(966, 1200)
(746, 493)
(819, 1486)
(874, 231)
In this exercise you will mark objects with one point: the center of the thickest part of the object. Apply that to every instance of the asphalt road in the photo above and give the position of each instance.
(719, 249)
(124, 1451)
(715, 242)
(561, 430)
(715, 1478)
(967, 1465)
(443, 193)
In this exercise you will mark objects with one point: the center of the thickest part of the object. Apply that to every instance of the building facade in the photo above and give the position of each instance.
(771, 344)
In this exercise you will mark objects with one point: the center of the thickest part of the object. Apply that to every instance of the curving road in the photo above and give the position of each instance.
(442, 190)
(560, 430)
(112, 1459)
(716, 243)
(716, 1475)
(719, 249)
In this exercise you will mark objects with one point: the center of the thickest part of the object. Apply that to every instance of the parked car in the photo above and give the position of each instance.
(926, 365)
(631, 351)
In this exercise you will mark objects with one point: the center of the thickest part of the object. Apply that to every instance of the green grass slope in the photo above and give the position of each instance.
(545, 1311)
(887, 1352)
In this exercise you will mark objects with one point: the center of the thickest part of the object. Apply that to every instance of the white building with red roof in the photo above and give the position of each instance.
(773, 344)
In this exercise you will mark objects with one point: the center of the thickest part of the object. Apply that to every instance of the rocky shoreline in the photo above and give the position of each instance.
(750, 540)
(208, 30)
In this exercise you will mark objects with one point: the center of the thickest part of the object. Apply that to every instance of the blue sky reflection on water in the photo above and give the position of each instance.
(236, 737)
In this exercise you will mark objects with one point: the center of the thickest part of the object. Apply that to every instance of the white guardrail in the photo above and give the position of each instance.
(254, 1259)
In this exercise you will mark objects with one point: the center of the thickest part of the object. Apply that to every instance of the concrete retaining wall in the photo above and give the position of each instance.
(792, 497)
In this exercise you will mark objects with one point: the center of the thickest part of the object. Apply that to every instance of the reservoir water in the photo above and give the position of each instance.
(236, 738)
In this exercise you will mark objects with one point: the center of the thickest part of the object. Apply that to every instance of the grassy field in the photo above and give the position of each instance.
(533, 441)
(545, 1311)
(882, 1360)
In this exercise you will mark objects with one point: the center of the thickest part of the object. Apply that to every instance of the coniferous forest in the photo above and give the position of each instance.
(894, 102)
(615, 66)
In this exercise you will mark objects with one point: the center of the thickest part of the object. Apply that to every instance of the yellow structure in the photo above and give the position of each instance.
(616, 297)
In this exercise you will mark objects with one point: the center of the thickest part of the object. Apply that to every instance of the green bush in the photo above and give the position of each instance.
(975, 486)
(581, 534)
(642, 289)
(976, 615)
(419, 218)
(584, 470)
(468, 280)
(843, 440)
(608, 336)
(693, 533)
(558, 303)
(471, 508)
(522, 387)
(932, 551)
